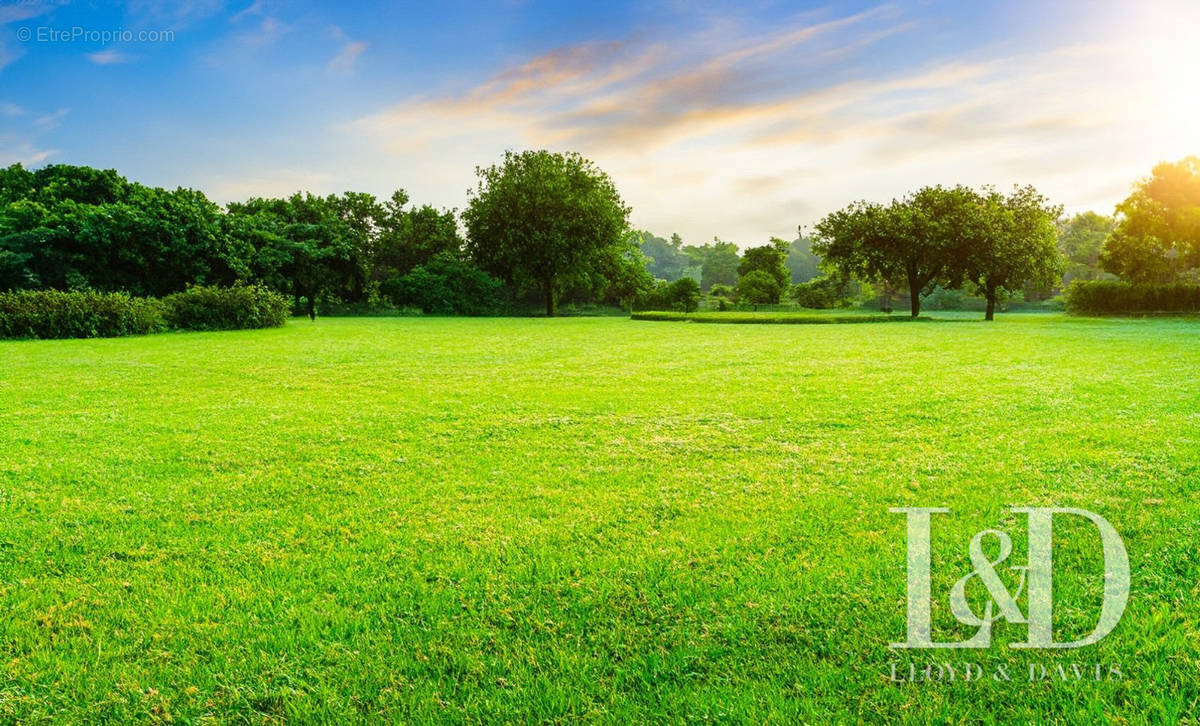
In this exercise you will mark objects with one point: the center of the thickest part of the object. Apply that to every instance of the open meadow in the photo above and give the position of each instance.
(479, 520)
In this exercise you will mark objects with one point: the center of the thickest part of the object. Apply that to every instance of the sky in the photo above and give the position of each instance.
(739, 120)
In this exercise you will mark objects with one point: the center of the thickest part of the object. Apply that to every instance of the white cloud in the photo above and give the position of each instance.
(51, 120)
(347, 57)
(731, 135)
(109, 57)
(22, 152)
(172, 14)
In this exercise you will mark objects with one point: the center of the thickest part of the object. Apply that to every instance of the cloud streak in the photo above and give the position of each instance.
(736, 125)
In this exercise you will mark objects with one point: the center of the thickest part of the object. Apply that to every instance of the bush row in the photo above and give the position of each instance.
(240, 307)
(88, 314)
(1112, 297)
(776, 318)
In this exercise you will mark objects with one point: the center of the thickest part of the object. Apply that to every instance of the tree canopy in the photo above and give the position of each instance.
(1080, 239)
(948, 236)
(548, 221)
(1157, 238)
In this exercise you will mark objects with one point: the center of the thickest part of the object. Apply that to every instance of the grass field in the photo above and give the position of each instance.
(478, 520)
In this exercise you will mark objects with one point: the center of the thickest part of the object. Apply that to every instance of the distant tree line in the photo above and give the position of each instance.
(542, 228)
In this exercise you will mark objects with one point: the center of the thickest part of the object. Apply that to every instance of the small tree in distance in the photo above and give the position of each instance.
(684, 292)
(758, 287)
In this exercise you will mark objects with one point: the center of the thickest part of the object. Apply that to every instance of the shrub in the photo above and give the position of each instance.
(821, 293)
(684, 293)
(1112, 297)
(445, 285)
(226, 308)
(758, 286)
(654, 298)
(78, 314)
(726, 291)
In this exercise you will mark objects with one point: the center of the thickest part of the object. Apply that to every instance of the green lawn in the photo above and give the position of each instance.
(517, 519)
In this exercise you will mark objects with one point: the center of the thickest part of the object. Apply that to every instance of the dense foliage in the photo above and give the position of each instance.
(946, 237)
(78, 228)
(550, 222)
(1157, 237)
(446, 285)
(80, 314)
(544, 228)
(1080, 240)
(1113, 297)
(238, 307)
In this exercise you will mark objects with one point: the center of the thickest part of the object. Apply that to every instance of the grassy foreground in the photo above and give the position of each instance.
(481, 520)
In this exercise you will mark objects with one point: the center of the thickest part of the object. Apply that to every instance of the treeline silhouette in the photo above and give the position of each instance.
(66, 227)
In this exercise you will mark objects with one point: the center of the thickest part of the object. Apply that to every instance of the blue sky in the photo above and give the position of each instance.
(739, 120)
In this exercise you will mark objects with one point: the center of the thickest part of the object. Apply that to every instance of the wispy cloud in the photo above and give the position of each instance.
(173, 14)
(109, 57)
(17, 11)
(51, 120)
(348, 56)
(15, 151)
(764, 131)
(254, 8)
(266, 32)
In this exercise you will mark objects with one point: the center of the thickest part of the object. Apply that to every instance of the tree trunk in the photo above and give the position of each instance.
(312, 307)
(914, 295)
(549, 300)
(991, 304)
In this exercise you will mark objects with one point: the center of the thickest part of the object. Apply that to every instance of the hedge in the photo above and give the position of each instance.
(1112, 297)
(55, 314)
(226, 308)
(88, 314)
(768, 318)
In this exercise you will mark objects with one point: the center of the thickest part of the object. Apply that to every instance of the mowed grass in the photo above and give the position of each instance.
(460, 520)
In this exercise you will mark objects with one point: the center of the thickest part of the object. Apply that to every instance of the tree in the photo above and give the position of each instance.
(718, 262)
(801, 262)
(684, 292)
(412, 236)
(1013, 242)
(770, 258)
(68, 227)
(822, 292)
(1157, 238)
(545, 220)
(445, 285)
(916, 239)
(758, 287)
(666, 258)
(302, 245)
(1080, 240)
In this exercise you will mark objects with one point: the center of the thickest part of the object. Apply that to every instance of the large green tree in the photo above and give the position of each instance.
(1157, 238)
(303, 245)
(918, 239)
(1011, 241)
(547, 221)
(68, 227)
